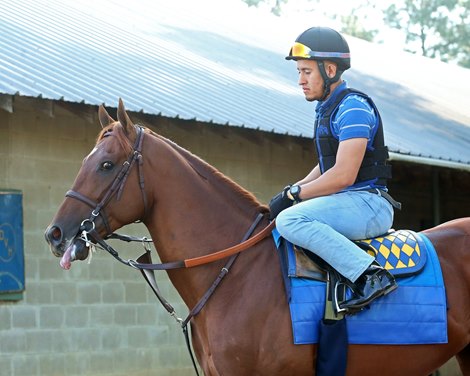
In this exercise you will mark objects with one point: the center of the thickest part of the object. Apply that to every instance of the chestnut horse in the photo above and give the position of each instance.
(190, 210)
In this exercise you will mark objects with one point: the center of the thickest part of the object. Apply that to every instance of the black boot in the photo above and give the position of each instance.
(372, 284)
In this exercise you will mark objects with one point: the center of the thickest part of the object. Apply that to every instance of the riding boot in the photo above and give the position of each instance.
(372, 284)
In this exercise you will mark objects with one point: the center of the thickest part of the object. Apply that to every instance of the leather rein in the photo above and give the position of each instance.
(143, 263)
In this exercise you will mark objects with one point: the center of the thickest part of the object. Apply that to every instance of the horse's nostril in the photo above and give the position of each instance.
(54, 234)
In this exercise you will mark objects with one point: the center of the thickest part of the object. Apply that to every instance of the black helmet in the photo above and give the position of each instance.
(321, 43)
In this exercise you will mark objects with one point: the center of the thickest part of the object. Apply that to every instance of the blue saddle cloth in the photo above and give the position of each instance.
(415, 313)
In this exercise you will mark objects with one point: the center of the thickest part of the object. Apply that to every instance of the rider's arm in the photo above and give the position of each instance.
(312, 175)
(341, 175)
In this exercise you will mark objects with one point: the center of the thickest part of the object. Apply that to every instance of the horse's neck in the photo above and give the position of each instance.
(195, 212)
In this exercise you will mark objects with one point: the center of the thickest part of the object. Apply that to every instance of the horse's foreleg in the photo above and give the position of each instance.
(463, 357)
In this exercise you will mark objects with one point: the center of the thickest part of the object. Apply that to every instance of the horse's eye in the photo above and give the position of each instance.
(107, 166)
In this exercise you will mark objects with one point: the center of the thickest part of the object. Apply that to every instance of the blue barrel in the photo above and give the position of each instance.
(11, 242)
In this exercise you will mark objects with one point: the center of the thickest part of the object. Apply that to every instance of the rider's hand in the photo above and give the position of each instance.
(280, 202)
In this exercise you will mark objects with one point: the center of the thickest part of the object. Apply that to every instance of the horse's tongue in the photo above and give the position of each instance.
(66, 260)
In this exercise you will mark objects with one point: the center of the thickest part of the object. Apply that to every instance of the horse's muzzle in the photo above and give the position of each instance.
(70, 251)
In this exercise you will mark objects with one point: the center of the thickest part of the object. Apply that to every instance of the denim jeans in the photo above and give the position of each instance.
(325, 225)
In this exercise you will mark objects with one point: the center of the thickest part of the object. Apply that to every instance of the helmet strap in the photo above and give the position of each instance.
(327, 81)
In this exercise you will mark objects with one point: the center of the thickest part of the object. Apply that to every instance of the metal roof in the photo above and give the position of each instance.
(220, 62)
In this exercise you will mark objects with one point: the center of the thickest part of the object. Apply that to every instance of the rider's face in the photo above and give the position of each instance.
(310, 78)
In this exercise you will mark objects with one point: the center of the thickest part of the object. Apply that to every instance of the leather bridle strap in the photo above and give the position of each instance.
(117, 184)
(202, 302)
(78, 196)
(150, 279)
(147, 270)
(245, 244)
(187, 263)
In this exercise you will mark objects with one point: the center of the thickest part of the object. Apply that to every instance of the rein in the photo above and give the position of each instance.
(145, 266)
(246, 243)
(144, 263)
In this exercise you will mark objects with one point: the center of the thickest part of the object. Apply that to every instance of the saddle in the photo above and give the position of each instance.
(400, 252)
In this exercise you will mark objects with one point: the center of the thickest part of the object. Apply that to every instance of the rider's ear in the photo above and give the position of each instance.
(104, 117)
(124, 119)
(331, 69)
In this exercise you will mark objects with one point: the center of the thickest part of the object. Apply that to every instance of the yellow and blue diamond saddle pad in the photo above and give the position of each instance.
(415, 313)
(401, 252)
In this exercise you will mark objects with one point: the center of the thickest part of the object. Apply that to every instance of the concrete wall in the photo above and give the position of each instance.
(101, 318)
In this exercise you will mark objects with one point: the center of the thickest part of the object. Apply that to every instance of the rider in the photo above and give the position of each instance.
(345, 195)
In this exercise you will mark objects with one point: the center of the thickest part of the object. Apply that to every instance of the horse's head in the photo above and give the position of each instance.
(98, 202)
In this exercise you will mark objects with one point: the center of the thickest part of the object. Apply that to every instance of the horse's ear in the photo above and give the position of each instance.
(104, 117)
(124, 119)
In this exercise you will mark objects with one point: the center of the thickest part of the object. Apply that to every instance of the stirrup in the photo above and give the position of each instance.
(338, 309)
(337, 306)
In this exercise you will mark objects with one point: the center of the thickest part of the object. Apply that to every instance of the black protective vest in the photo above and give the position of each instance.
(374, 166)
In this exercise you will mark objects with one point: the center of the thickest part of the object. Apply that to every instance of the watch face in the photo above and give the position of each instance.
(294, 189)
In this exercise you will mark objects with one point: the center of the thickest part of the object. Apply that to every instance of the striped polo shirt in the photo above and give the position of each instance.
(354, 118)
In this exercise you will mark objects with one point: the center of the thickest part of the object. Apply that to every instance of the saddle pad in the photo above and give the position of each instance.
(415, 313)
(400, 252)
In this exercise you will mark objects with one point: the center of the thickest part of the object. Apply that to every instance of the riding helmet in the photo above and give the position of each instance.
(321, 43)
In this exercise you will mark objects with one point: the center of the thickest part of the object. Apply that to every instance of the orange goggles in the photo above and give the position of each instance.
(301, 51)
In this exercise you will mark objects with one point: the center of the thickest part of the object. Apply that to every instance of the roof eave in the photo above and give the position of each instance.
(429, 161)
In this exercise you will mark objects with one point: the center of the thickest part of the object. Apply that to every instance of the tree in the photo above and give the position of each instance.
(352, 23)
(438, 28)
(275, 7)
(458, 37)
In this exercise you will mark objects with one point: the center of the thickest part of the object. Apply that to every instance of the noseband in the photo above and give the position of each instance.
(116, 187)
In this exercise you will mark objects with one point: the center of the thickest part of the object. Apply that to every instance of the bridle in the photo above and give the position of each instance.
(88, 227)
(144, 263)
(116, 187)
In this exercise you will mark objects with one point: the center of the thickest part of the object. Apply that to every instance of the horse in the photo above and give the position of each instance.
(191, 210)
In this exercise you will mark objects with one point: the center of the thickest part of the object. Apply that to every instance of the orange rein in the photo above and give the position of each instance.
(196, 261)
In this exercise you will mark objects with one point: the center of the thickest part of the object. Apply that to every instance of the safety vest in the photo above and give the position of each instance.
(374, 168)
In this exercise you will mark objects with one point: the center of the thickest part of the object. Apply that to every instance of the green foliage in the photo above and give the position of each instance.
(437, 28)
(275, 5)
(352, 23)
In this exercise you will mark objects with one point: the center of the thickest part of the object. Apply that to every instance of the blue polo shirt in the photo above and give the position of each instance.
(355, 117)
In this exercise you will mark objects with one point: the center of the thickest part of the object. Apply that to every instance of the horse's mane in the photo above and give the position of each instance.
(210, 173)
(201, 167)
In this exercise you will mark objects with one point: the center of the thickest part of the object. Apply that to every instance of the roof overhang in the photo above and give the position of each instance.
(428, 161)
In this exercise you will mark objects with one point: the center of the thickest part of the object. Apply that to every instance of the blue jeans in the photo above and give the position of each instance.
(325, 225)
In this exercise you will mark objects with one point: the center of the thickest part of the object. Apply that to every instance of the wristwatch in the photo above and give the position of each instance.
(295, 192)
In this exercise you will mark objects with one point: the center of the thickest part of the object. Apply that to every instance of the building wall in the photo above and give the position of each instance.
(100, 318)
(429, 195)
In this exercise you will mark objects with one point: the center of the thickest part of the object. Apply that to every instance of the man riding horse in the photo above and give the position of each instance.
(344, 197)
